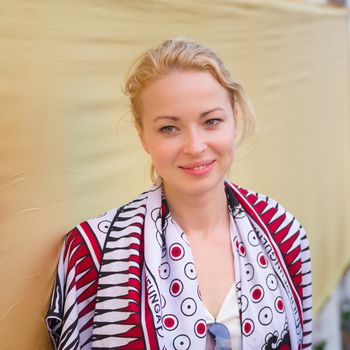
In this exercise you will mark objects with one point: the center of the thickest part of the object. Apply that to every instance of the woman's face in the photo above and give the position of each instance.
(188, 130)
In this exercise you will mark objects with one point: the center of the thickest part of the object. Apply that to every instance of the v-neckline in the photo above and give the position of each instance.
(226, 302)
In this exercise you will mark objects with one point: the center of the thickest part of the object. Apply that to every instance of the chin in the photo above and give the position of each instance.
(203, 186)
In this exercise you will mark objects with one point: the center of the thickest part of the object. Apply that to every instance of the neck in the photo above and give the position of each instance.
(199, 215)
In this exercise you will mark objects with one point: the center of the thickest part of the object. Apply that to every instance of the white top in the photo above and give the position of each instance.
(229, 316)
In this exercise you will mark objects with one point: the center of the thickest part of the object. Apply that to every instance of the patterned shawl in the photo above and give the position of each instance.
(127, 280)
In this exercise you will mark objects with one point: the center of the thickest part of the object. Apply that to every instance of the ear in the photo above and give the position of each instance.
(141, 136)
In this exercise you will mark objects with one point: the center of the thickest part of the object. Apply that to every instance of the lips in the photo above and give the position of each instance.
(198, 165)
(198, 168)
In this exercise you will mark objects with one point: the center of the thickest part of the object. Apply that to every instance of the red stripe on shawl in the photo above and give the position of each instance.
(70, 241)
(79, 256)
(82, 264)
(135, 345)
(88, 308)
(150, 328)
(88, 324)
(248, 204)
(93, 240)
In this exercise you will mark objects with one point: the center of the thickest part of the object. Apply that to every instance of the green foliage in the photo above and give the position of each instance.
(320, 346)
(345, 321)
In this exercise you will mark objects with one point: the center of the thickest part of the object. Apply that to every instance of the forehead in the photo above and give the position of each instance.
(184, 92)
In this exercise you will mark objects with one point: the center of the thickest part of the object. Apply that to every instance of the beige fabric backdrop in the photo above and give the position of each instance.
(69, 152)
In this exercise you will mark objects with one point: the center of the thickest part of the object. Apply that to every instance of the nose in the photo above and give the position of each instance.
(194, 142)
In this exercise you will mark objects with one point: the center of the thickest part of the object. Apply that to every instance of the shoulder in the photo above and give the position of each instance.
(92, 233)
(270, 212)
(91, 230)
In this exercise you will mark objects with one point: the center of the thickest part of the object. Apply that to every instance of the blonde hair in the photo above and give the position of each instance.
(185, 54)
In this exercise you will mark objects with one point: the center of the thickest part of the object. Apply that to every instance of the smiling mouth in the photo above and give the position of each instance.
(198, 168)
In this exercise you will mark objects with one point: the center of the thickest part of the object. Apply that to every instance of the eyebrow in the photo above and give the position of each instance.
(175, 118)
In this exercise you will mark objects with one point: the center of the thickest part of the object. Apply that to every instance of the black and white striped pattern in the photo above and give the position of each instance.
(117, 311)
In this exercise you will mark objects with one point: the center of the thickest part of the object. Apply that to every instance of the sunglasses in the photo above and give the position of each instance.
(218, 337)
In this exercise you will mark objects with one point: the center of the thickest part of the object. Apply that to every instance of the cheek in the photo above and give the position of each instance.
(230, 153)
(160, 155)
(227, 144)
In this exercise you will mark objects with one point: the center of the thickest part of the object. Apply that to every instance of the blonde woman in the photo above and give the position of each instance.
(196, 262)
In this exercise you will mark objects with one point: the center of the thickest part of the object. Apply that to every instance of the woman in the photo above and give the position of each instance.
(196, 262)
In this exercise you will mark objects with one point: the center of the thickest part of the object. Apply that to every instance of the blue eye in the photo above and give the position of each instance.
(168, 129)
(212, 122)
